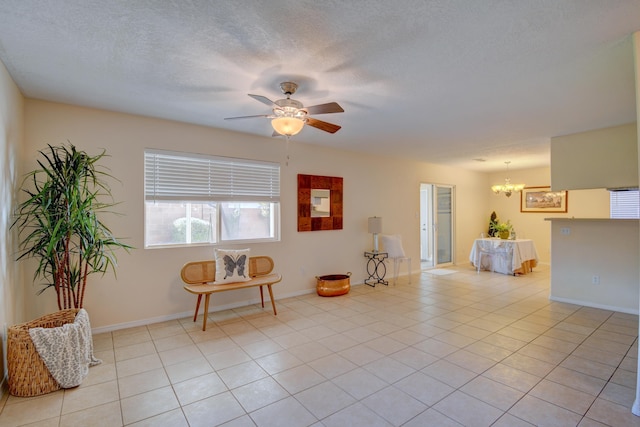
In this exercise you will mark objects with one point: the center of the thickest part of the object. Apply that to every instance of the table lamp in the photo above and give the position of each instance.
(375, 227)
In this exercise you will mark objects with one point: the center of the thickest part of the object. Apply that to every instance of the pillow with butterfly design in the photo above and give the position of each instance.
(232, 266)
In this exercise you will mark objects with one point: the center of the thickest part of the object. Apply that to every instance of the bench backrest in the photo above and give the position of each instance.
(196, 272)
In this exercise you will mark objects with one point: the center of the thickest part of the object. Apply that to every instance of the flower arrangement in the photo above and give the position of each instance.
(501, 229)
(503, 226)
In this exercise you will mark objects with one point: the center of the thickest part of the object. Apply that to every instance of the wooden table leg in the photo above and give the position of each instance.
(206, 311)
(195, 316)
(261, 296)
(273, 302)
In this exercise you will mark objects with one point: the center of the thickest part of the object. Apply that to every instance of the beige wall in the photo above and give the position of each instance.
(148, 286)
(607, 158)
(602, 248)
(531, 225)
(11, 135)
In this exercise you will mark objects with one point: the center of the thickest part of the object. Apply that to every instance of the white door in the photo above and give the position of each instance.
(436, 225)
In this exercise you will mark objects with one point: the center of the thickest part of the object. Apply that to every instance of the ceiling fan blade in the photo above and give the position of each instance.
(319, 124)
(331, 107)
(248, 117)
(263, 99)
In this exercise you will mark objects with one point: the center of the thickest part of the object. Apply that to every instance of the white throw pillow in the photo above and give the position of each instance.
(232, 266)
(392, 244)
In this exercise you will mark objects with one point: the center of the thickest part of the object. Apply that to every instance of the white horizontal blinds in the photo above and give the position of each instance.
(173, 176)
(624, 204)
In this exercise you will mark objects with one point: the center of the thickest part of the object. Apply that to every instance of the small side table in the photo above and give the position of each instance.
(376, 269)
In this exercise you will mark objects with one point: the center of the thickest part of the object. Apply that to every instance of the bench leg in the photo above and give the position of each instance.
(195, 316)
(273, 302)
(206, 311)
(262, 296)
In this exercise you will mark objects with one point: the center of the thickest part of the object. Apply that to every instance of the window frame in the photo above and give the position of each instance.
(238, 180)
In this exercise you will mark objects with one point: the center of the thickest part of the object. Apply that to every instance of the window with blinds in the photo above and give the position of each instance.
(624, 204)
(199, 199)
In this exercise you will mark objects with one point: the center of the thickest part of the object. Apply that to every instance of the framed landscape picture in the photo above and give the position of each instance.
(542, 199)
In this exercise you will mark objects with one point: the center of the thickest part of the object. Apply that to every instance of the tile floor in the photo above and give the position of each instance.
(461, 349)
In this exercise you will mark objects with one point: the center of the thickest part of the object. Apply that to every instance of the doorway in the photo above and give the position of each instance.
(436, 225)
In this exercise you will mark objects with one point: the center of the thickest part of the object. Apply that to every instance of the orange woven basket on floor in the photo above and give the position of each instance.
(28, 375)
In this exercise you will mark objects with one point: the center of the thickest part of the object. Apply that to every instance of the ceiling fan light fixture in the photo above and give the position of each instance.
(288, 126)
(289, 115)
(507, 188)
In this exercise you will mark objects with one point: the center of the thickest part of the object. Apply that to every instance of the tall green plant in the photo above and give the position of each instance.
(59, 223)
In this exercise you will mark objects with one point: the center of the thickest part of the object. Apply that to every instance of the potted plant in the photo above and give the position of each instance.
(59, 225)
(502, 229)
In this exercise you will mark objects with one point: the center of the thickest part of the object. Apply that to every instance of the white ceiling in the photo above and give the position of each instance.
(443, 81)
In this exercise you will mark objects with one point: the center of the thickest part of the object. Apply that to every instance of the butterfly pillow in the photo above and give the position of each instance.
(232, 266)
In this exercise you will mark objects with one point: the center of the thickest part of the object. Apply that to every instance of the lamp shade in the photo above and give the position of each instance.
(287, 125)
(375, 225)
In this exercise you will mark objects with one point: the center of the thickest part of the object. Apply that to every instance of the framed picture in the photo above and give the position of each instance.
(542, 199)
(319, 203)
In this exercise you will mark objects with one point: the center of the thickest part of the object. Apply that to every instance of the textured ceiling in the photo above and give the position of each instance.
(443, 81)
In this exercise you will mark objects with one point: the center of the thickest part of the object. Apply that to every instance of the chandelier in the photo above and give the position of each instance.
(507, 188)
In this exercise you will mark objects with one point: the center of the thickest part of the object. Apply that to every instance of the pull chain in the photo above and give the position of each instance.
(287, 151)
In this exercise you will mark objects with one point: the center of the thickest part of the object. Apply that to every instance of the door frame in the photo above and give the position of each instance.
(429, 231)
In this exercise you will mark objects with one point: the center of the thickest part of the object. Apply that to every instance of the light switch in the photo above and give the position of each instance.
(565, 231)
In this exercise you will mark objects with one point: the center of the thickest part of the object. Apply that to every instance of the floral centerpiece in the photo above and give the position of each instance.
(502, 229)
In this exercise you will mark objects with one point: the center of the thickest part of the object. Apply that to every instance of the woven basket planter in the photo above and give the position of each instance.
(28, 375)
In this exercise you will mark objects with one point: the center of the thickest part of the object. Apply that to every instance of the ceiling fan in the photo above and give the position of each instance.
(288, 116)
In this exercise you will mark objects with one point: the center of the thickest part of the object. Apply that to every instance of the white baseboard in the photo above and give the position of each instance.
(594, 305)
(174, 316)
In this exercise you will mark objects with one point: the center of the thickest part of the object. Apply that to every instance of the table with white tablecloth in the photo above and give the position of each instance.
(517, 256)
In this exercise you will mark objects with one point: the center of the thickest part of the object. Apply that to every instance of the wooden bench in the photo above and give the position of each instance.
(200, 275)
